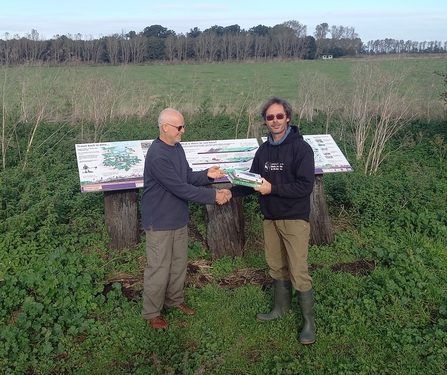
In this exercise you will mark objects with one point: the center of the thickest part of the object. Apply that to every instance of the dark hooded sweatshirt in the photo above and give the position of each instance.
(290, 168)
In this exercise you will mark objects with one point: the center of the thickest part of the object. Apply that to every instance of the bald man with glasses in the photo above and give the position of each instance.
(169, 184)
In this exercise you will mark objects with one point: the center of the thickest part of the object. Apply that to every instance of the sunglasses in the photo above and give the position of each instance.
(179, 128)
(279, 116)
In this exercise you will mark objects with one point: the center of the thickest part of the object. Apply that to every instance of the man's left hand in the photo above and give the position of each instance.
(215, 172)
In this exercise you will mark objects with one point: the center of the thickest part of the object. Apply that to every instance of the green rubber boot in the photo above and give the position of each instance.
(283, 300)
(306, 302)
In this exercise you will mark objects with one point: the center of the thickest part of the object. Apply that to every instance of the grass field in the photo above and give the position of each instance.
(227, 87)
(231, 83)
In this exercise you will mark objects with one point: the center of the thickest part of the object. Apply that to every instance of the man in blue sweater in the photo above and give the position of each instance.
(169, 184)
(286, 164)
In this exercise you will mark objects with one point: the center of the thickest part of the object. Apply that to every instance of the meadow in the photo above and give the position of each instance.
(71, 305)
(228, 88)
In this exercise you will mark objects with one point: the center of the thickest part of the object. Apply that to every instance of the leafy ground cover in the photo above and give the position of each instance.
(70, 305)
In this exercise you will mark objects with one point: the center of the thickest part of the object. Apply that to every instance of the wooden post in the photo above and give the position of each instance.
(121, 211)
(225, 224)
(225, 227)
(321, 232)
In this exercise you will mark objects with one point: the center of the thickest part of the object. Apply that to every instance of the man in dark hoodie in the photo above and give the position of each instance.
(286, 164)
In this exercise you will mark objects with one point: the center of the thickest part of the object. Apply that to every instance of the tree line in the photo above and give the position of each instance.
(288, 40)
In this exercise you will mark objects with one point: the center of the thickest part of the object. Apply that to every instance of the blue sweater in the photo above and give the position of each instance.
(169, 184)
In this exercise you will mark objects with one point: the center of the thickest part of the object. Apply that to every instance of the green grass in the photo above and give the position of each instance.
(231, 80)
(358, 333)
(227, 86)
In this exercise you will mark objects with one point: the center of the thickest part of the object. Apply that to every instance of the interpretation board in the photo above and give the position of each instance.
(109, 166)
(328, 156)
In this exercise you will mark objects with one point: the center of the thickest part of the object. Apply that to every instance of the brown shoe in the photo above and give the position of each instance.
(185, 309)
(158, 323)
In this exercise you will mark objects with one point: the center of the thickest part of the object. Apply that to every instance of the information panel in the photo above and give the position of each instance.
(328, 156)
(120, 165)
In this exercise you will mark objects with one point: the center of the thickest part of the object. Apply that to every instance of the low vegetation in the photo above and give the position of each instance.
(70, 305)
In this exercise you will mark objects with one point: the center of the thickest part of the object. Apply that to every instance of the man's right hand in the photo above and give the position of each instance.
(223, 196)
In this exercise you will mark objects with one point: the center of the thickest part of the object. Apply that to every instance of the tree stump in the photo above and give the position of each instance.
(225, 227)
(121, 211)
(321, 232)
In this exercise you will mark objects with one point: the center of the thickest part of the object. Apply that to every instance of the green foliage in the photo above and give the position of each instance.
(443, 95)
(206, 125)
(56, 316)
(197, 219)
(439, 149)
(410, 189)
(226, 265)
(197, 251)
(45, 305)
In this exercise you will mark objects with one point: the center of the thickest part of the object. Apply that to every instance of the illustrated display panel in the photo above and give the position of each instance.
(120, 165)
(328, 156)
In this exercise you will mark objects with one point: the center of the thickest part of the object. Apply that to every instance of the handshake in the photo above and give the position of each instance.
(223, 196)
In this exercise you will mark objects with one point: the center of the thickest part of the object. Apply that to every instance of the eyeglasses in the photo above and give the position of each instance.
(179, 128)
(279, 116)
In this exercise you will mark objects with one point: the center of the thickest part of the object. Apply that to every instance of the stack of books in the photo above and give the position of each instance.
(245, 178)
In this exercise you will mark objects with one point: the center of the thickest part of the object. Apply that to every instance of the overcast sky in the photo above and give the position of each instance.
(379, 19)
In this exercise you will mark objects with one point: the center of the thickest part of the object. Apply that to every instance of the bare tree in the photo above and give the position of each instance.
(10, 113)
(307, 96)
(124, 45)
(282, 40)
(320, 34)
(260, 47)
(330, 101)
(113, 48)
(35, 104)
(93, 50)
(394, 113)
(246, 45)
(200, 47)
(182, 47)
(226, 46)
(380, 106)
(362, 109)
(170, 48)
(211, 42)
(78, 47)
(298, 42)
(138, 48)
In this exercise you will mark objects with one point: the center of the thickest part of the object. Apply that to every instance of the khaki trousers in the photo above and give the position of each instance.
(286, 249)
(165, 272)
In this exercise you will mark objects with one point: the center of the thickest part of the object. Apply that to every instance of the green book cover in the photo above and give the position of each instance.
(243, 182)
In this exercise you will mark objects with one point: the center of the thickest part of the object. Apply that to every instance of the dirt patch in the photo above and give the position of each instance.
(131, 286)
(198, 275)
(358, 268)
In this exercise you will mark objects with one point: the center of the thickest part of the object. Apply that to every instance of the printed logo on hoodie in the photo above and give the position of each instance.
(268, 167)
